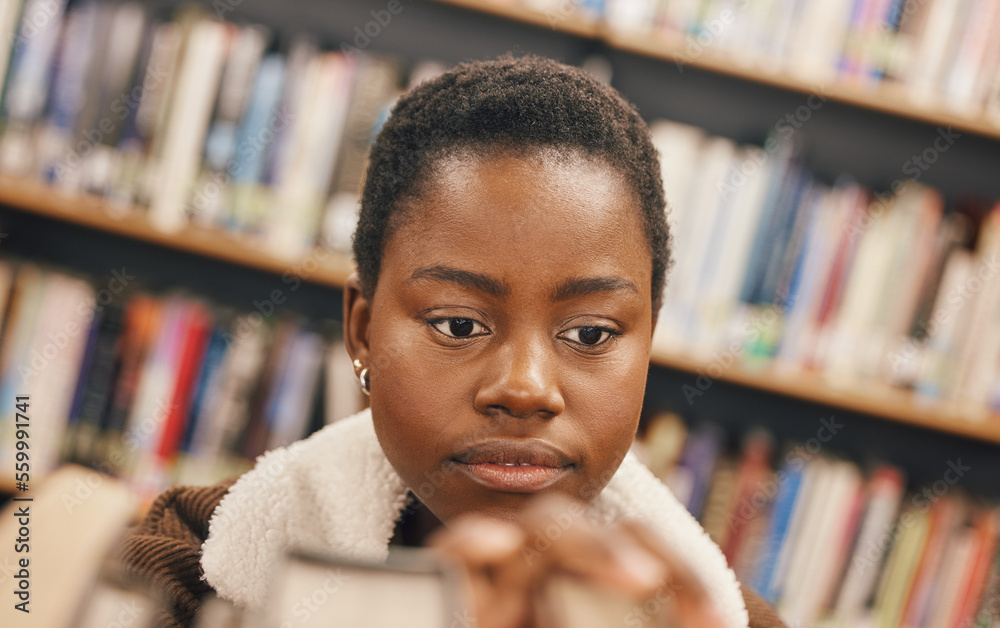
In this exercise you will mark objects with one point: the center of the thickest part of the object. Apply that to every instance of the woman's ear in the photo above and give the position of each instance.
(357, 319)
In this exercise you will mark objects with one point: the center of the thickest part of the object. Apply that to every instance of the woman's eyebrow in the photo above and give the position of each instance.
(582, 286)
(467, 278)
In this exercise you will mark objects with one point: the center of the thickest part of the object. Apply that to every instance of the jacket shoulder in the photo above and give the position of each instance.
(165, 547)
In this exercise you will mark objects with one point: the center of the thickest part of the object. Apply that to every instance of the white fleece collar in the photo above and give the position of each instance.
(335, 492)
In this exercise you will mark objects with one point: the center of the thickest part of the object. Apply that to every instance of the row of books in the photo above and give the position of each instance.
(195, 119)
(942, 52)
(158, 389)
(829, 544)
(773, 265)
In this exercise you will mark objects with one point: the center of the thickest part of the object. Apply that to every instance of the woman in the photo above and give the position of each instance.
(512, 250)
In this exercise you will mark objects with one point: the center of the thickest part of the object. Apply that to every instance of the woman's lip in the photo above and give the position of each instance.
(514, 465)
(513, 478)
(512, 451)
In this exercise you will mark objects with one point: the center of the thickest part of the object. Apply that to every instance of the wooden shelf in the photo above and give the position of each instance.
(514, 10)
(878, 400)
(96, 213)
(886, 98)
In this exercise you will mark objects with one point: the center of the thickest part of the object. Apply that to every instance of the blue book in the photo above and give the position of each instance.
(31, 60)
(810, 201)
(788, 209)
(767, 225)
(215, 355)
(781, 516)
(249, 155)
(701, 450)
(84, 371)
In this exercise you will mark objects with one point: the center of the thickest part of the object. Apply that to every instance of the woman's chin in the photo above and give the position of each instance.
(499, 506)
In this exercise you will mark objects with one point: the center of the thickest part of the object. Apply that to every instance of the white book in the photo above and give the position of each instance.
(315, 136)
(971, 57)
(861, 301)
(818, 41)
(932, 50)
(679, 146)
(782, 25)
(159, 80)
(754, 40)
(885, 494)
(19, 329)
(710, 205)
(752, 169)
(808, 489)
(912, 237)
(56, 351)
(977, 357)
(913, 270)
(10, 11)
(822, 559)
(629, 16)
(795, 589)
(989, 71)
(184, 135)
(946, 326)
(36, 44)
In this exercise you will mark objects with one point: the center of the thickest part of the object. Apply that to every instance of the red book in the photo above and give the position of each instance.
(755, 466)
(194, 339)
(849, 240)
(942, 524)
(986, 535)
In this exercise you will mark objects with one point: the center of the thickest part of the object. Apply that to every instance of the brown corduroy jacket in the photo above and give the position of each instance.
(165, 549)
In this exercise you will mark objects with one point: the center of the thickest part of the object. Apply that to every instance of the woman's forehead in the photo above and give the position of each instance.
(516, 215)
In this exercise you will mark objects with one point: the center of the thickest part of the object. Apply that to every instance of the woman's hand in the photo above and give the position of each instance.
(507, 565)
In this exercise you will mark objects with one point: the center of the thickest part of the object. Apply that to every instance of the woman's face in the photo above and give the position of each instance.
(508, 337)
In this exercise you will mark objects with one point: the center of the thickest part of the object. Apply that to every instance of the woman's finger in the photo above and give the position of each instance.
(488, 554)
(561, 537)
(478, 540)
(684, 592)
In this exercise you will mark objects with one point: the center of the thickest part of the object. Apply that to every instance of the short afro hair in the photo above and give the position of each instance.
(526, 101)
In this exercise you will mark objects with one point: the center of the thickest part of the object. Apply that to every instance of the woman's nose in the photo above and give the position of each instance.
(523, 382)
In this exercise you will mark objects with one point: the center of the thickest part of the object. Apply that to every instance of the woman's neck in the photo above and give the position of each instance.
(414, 525)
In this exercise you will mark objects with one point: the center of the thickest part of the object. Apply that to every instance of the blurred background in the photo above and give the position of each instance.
(178, 187)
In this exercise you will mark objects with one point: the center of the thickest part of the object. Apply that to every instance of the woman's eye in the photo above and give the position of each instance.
(590, 336)
(458, 327)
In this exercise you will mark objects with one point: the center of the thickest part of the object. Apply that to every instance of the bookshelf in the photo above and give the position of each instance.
(96, 213)
(889, 99)
(869, 133)
(570, 24)
(877, 400)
